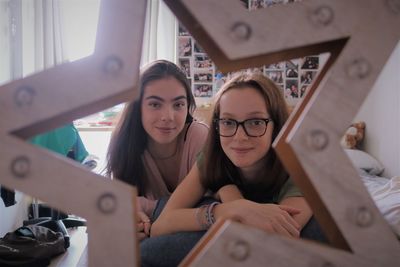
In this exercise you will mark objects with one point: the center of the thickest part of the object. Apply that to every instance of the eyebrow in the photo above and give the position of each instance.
(163, 100)
(251, 113)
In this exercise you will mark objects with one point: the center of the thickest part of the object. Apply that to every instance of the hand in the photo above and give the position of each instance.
(143, 225)
(271, 218)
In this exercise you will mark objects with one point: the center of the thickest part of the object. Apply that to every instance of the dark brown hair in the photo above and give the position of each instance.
(129, 139)
(217, 169)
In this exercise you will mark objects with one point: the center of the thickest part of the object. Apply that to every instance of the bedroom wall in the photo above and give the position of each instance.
(381, 112)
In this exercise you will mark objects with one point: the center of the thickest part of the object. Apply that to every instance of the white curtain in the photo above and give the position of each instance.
(42, 35)
(159, 40)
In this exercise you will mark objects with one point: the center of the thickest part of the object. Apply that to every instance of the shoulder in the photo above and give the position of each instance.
(196, 130)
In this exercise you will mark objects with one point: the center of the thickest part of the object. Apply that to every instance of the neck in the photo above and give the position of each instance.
(254, 173)
(163, 151)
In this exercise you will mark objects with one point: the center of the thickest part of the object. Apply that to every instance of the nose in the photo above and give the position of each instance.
(167, 114)
(240, 133)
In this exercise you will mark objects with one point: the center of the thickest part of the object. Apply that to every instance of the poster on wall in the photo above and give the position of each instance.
(293, 76)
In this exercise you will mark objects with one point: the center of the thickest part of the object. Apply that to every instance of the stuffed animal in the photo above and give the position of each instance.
(354, 136)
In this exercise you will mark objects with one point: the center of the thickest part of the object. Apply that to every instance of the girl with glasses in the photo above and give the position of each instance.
(156, 141)
(239, 168)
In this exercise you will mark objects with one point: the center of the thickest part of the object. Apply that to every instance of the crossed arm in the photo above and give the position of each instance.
(287, 218)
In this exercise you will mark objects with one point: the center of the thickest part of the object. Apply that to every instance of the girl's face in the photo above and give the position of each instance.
(164, 109)
(244, 151)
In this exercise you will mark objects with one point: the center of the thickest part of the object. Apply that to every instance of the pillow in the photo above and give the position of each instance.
(364, 161)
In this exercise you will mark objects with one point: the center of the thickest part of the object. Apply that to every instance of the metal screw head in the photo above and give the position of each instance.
(107, 203)
(358, 68)
(20, 166)
(113, 65)
(238, 250)
(394, 6)
(364, 217)
(240, 31)
(322, 15)
(24, 96)
(317, 139)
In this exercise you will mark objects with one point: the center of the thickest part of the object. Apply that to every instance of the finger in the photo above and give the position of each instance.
(140, 227)
(290, 210)
(279, 229)
(147, 226)
(291, 220)
(291, 229)
(142, 217)
(141, 236)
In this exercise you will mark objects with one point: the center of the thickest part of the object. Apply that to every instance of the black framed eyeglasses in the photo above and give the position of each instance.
(252, 127)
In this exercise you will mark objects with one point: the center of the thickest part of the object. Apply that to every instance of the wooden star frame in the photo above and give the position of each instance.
(59, 95)
(309, 143)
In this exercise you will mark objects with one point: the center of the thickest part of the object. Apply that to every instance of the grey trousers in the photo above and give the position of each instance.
(169, 250)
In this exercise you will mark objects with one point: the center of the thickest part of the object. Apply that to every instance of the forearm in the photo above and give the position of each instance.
(178, 220)
(229, 193)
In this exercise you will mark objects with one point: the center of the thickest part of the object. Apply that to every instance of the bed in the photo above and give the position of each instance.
(385, 191)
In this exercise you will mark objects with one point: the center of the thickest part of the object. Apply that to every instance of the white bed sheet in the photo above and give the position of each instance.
(386, 194)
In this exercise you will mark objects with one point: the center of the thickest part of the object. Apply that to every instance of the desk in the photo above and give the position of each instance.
(76, 254)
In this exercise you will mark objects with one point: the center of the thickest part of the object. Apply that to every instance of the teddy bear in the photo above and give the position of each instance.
(354, 135)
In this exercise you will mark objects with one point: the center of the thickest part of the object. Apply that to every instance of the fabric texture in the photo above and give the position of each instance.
(190, 143)
(62, 140)
(169, 250)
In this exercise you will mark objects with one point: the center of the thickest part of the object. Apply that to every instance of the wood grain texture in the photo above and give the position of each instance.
(309, 143)
(59, 95)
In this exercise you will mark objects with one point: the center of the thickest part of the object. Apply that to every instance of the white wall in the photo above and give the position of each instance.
(381, 112)
(13, 216)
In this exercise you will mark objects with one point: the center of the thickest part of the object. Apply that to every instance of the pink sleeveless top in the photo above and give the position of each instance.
(190, 145)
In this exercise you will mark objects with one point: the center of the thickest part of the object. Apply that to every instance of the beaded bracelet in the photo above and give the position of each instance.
(210, 218)
(200, 217)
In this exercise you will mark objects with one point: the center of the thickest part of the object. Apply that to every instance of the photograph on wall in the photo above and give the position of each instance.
(306, 77)
(291, 88)
(276, 66)
(185, 46)
(275, 75)
(184, 64)
(202, 90)
(202, 61)
(310, 63)
(203, 75)
(303, 90)
(182, 31)
(292, 69)
(197, 48)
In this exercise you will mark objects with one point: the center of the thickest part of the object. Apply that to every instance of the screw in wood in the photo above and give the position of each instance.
(113, 65)
(364, 217)
(240, 31)
(107, 203)
(358, 68)
(20, 166)
(24, 96)
(322, 15)
(238, 250)
(317, 139)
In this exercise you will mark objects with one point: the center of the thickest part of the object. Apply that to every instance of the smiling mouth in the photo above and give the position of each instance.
(165, 130)
(241, 150)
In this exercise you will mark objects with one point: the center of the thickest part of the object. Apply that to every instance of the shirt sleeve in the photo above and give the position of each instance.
(289, 189)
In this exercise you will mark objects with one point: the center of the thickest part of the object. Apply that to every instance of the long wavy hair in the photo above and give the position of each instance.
(129, 139)
(217, 169)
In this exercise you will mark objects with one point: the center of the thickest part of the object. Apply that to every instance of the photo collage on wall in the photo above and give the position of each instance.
(293, 76)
